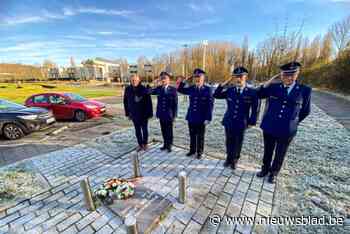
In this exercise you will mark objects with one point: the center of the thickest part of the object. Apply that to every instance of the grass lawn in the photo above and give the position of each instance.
(19, 95)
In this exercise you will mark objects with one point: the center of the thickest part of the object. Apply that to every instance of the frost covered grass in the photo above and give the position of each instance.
(17, 183)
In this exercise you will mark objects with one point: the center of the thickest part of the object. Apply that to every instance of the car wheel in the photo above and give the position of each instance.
(80, 116)
(12, 131)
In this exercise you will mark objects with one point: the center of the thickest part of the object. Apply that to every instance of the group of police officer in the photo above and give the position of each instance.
(287, 104)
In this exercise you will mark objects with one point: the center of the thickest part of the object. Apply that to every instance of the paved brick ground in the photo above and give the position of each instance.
(212, 189)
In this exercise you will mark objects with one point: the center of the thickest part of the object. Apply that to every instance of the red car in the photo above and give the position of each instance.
(67, 105)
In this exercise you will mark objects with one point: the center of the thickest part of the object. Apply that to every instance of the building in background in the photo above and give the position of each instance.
(90, 69)
(103, 69)
(54, 73)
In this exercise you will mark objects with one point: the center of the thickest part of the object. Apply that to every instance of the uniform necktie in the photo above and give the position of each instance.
(239, 91)
(286, 90)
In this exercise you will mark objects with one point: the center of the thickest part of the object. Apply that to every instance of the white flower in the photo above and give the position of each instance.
(102, 192)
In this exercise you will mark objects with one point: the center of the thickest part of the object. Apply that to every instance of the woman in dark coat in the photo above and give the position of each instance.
(138, 108)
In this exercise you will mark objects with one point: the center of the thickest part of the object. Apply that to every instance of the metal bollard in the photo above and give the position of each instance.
(136, 162)
(85, 186)
(130, 223)
(182, 186)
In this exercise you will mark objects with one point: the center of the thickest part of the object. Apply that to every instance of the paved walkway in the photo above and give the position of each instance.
(337, 107)
(213, 190)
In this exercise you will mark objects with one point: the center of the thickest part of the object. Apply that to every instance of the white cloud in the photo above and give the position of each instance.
(105, 33)
(80, 37)
(93, 10)
(22, 20)
(201, 7)
(45, 15)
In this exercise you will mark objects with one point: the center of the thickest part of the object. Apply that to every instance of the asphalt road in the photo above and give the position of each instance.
(336, 107)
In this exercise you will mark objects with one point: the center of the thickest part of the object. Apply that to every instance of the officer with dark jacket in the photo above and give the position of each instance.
(138, 108)
(200, 110)
(166, 108)
(288, 103)
(241, 113)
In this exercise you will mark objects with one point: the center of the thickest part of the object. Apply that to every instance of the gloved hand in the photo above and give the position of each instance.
(206, 122)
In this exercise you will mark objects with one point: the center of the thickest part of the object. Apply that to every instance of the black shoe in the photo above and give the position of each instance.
(199, 156)
(226, 164)
(163, 148)
(233, 166)
(271, 179)
(189, 154)
(262, 173)
(169, 150)
(139, 148)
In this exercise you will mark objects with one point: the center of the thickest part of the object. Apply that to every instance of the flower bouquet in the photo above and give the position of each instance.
(111, 189)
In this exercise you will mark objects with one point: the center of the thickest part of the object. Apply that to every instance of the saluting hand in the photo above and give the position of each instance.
(226, 81)
(272, 80)
(157, 82)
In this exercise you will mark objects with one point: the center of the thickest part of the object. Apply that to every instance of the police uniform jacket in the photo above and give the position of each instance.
(284, 112)
(201, 103)
(242, 109)
(137, 103)
(167, 102)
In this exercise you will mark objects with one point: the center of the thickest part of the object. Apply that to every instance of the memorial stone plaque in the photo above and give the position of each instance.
(146, 205)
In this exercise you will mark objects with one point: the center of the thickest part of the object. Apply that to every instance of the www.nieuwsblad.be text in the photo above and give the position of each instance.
(283, 220)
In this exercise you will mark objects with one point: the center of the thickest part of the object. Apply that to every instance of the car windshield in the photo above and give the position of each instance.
(6, 105)
(75, 97)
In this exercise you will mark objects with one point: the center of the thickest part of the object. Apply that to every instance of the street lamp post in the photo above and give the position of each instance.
(205, 43)
(185, 60)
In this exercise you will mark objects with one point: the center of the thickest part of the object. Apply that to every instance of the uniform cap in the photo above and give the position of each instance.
(240, 71)
(290, 68)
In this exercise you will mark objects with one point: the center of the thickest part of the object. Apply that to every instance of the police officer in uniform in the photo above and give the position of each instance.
(199, 112)
(241, 113)
(166, 108)
(138, 108)
(288, 104)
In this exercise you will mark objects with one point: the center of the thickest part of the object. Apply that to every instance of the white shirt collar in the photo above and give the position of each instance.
(290, 87)
(241, 88)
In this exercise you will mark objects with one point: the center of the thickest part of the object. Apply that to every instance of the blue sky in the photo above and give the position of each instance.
(34, 30)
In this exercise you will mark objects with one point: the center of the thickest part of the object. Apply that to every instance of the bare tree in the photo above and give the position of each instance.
(340, 32)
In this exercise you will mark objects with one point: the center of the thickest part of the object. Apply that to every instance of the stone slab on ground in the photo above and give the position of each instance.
(146, 205)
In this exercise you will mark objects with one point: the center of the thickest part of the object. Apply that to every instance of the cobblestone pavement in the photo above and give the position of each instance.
(213, 189)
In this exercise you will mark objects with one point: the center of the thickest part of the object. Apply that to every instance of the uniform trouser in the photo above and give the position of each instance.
(197, 132)
(234, 140)
(279, 145)
(167, 132)
(141, 132)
